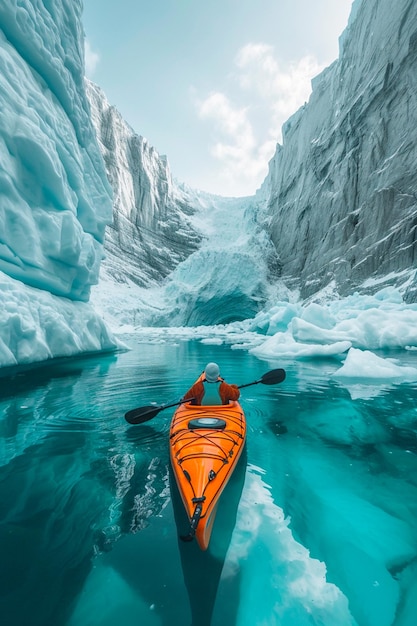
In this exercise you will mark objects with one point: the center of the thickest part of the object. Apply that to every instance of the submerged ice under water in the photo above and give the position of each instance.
(317, 528)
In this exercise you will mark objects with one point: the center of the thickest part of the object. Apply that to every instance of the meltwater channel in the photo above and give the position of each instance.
(317, 527)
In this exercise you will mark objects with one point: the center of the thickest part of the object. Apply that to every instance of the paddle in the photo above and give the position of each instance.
(146, 413)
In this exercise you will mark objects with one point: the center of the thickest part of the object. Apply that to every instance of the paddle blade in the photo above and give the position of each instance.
(273, 377)
(146, 413)
(270, 378)
(142, 414)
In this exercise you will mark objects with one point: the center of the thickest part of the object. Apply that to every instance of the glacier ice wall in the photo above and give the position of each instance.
(340, 198)
(227, 279)
(56, 200)
(55, 196)
(151, 231)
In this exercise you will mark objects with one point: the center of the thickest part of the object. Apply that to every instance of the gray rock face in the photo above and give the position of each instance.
(151, 231)
(340, 199)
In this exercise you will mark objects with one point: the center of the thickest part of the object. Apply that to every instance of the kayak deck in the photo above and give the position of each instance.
(205, 445)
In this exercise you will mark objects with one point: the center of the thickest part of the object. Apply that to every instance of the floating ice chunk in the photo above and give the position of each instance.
(215, 341)
(366, 364)
(284, 345)
(318, 315)
(308, 332)
(383, 320)
(275, 319)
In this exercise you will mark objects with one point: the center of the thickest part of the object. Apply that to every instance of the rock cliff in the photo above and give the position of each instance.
(340, 199)
(151, 231)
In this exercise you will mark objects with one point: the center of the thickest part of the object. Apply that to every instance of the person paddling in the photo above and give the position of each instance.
(212, 389)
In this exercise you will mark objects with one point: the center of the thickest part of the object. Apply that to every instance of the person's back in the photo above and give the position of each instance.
(212, 389)
(211, 393)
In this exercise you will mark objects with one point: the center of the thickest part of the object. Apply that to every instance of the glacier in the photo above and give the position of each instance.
(56, 199)
(52, 172)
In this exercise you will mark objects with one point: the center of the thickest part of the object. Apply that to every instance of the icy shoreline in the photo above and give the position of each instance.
(36, 326)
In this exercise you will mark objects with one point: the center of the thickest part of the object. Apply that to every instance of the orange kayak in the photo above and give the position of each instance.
(205, 445)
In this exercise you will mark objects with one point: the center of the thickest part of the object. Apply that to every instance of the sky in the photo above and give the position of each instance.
(209, 83)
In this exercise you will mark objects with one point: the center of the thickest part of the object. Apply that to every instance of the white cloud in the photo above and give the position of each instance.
(91, 59)
(230, 120)
(235, 145)
(282, 89)
(247, 128)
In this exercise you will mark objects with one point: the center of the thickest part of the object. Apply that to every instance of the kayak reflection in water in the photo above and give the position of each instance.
(211, 389)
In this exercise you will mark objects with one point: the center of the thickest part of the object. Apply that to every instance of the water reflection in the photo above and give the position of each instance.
(48, 530)
(89, 532)
(145, 435)
(202, 570)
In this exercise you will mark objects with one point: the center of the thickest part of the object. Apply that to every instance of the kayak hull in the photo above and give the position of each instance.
(206, 443)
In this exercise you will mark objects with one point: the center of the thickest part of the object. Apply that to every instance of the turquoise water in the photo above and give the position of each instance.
(317, 528)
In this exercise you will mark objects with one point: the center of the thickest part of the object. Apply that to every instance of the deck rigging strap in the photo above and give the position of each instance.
(228, 436)
(195, 519)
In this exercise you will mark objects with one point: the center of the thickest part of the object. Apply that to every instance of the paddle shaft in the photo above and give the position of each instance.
(256, 382)
(146, 413)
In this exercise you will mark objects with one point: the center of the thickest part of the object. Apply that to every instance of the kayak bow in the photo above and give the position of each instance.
(205, 445)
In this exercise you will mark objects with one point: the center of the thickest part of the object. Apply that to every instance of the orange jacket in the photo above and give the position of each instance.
(227, 392)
